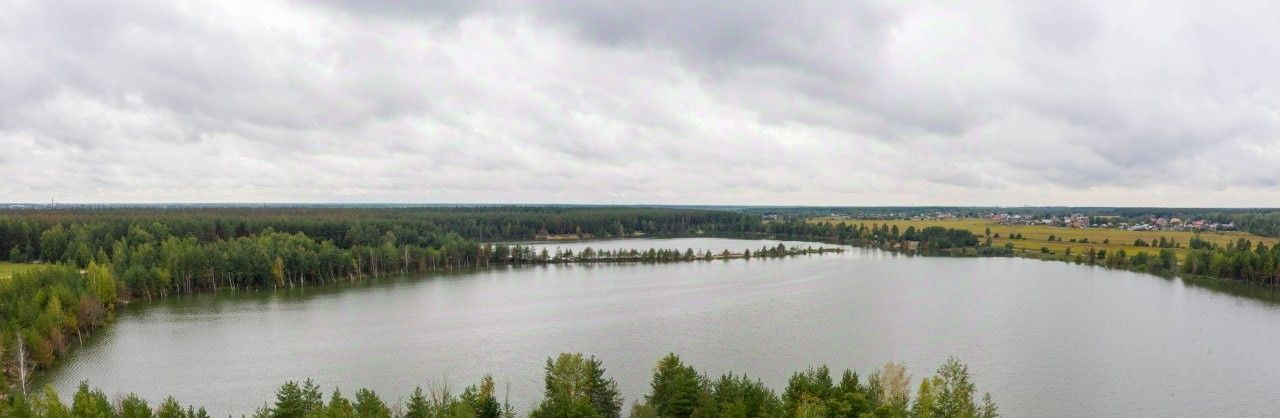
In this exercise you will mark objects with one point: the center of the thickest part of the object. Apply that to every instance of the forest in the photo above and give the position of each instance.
(21, 229)
(98, 258)
(577, 386)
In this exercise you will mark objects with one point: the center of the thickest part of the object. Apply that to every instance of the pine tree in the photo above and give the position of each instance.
(134, 407)
(290, 402)
(339, 406)
(675, 388)
(576, 387)
(170, 409)
(87, 403)
(368, 405)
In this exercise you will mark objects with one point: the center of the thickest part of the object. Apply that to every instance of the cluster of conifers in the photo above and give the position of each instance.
(576, 386)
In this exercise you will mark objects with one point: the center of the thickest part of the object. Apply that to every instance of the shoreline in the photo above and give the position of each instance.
(1269, 294)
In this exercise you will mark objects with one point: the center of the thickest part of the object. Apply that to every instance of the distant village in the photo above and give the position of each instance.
(1083, 221)
(1073, 221)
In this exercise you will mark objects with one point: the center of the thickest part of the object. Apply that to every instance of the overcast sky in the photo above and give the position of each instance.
(1164, 103)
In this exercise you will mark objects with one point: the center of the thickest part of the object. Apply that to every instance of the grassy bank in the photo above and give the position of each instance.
(1035, 237)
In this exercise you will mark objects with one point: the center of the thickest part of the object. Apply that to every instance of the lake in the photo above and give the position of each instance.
(1045, 338)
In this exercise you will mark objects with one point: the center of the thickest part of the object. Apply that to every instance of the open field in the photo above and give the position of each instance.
(1037, 236)
(8, 269)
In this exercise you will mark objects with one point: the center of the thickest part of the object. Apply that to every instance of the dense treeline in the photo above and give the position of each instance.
(1266, 224)
(1163, 262)
(45, 308)
(130, 254)
(154, 252)
(144, 253)
(678, 390)
(159, 251)
(1240, 260)
(929, 240)
(42, 310)
(21, 231)
(576, 386)
(82, 235)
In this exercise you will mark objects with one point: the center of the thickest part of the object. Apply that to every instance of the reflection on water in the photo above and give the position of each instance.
(1266, 294)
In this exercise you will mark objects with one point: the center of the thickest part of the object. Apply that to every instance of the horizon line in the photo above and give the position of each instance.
(11, 205)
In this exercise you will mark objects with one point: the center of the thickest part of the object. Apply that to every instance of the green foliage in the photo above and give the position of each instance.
(368, 405)
(740, 396)
(142, 253)
(642, 410)
(46, 310)
(576, 387)
(48, 405)
(170, 408)
(894, 385)
(102, 284)
(134, 407)
(675, 388)
(417, 406)
(482, 400)
(813, 393)
(955, 391)
(91, 404)
(926, 399)
(807, 390)
(58, 234)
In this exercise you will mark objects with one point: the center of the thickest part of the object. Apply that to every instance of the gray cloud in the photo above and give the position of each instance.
(1002, 102)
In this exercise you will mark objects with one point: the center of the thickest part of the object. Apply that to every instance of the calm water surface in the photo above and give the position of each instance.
(1045, 338)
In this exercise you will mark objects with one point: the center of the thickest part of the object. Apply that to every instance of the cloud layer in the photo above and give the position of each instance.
(833, 103)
